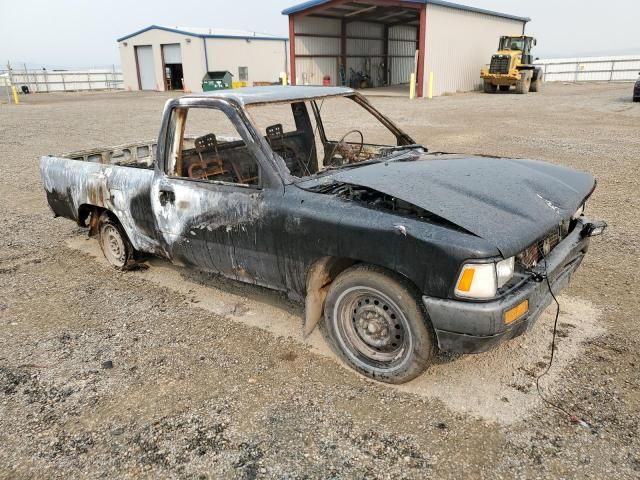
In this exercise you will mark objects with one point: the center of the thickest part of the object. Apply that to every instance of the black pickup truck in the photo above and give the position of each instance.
(396, 251)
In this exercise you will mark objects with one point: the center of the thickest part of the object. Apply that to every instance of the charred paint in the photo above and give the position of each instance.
(419, 215)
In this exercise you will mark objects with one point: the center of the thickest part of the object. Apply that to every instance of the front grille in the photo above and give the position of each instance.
(500, 64)
(531, 256)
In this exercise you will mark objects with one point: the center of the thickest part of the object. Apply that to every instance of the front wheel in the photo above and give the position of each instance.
(489, 87)
(523, 85)
(374, 321)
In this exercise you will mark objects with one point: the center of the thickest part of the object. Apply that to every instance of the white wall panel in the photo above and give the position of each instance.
(459, 43)
(264, 59)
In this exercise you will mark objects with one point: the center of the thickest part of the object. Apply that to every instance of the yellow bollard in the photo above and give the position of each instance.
(15, 95)
(412, 86)
(430, 91)
(283, 76)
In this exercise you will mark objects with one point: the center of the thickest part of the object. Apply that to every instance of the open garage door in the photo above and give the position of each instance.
(358, 43)
(146, 71)
(172, 61)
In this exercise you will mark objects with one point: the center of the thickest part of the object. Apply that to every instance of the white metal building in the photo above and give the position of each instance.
(331, 41)
(164, 58)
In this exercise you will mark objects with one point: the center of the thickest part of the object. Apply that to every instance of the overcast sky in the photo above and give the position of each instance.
(77, 33)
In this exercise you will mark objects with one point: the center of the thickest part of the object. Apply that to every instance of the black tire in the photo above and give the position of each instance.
(523, 85)
(489, 87)
(375, 322)
(536, 85)
(115, 244)
(504, 88)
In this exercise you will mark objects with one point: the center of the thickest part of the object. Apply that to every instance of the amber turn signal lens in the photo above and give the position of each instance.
(464, 285)
(516, 312)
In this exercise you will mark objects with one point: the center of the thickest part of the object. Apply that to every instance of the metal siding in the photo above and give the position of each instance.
(459, 43)
(401, 69)
(373, 44)
(318, 26)
(365, 47)
(402, 48)
(403, 32)
(264, 60)
(310, 71)
(317, 46)
(365, 29)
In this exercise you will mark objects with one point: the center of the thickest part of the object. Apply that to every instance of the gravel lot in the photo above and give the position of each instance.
(211, 379)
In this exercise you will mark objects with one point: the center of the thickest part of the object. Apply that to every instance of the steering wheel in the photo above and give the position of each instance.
(346, 150)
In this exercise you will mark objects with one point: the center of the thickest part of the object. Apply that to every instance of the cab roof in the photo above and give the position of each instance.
(274, 94)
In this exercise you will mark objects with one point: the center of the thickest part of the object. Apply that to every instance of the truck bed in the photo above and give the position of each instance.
(117, 179)
(139, 155)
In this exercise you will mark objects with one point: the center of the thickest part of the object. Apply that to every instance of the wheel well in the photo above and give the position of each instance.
(89, 216)
(319, 278)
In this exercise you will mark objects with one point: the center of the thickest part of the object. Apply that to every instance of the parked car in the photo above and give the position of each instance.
(396, 251)
(636, 91)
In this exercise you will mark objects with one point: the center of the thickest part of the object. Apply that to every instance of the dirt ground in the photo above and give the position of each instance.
(212, 379)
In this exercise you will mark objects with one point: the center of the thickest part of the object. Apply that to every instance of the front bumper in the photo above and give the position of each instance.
(474, 327)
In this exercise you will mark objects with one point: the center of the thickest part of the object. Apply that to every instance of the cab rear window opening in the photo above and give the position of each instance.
(204, 145)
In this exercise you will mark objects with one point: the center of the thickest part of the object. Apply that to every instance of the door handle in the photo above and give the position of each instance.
(167, 196)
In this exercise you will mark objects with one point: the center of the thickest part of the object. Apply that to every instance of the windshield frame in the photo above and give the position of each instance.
(402, 138)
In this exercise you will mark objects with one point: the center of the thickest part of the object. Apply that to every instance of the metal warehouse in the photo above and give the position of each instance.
(163, 58)
(379, 43)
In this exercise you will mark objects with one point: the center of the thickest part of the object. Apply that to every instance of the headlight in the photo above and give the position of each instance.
(504, 270)
(482, 280)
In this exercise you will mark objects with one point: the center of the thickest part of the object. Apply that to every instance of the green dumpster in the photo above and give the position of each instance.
(216, 81)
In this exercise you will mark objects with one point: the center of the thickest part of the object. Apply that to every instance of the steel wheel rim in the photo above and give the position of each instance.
(372, 328)
(113, 245)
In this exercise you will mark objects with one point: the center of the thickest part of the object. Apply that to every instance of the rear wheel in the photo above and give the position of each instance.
(523, 85)
(489, 87)
(374, 321)
(115, 244)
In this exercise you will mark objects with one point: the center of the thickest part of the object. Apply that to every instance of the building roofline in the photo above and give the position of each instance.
(314, 3)
(199, 35)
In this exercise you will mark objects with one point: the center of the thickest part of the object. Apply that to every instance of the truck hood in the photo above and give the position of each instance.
(510, 203)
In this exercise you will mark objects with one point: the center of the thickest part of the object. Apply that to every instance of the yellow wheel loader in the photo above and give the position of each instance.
(512, 65)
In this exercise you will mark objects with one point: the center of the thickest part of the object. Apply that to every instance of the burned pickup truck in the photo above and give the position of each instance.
(395, 251)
